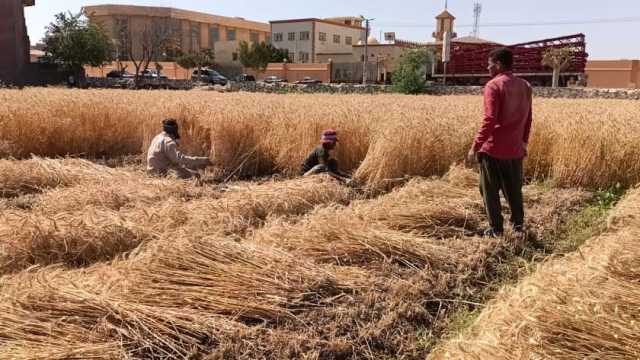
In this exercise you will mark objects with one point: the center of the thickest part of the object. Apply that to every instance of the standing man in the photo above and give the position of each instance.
(163, 155)
(501, 143)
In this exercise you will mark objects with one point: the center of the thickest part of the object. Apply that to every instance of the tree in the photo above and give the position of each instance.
(258, 55)
(410, 74)
(153, 43)
(73, 42)
(200, 59)
(559, 60)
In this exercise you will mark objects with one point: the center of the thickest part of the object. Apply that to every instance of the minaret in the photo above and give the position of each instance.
(444, 23)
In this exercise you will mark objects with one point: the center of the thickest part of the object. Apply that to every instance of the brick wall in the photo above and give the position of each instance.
(295, 72)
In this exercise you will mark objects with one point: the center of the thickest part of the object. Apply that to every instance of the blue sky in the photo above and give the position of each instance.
(414, 20)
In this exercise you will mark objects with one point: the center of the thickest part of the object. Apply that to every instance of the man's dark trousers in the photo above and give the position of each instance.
(505, 175)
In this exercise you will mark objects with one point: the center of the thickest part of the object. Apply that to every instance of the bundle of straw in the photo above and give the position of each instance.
(217, 275)
(73, 238)
(582, 306)
(29, 176)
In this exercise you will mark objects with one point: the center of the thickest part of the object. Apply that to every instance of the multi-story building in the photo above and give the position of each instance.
(307, 40)
(14, 40)
(190, 30)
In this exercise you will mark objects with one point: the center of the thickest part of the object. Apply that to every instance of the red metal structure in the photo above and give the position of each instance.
(468, 63)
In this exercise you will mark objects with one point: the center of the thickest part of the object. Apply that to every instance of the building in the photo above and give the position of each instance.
(14, 41)
(190, 30)
(613, 74)
(309, 40)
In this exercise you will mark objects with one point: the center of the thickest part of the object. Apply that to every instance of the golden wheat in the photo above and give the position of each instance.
(594, 143)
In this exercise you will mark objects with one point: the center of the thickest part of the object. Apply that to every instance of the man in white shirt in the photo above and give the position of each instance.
(163, 155)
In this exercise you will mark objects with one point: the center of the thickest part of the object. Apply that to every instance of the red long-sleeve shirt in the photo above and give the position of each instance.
(507, 118)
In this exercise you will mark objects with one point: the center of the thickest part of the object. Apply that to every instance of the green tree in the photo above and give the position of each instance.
(152, 43)
(258, 55)
(200, 59)
(73, 42)
(559, 60)
(410, 74)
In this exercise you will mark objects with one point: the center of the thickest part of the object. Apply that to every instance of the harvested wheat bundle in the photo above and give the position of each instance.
(72, 315)
(127, 194)
(246, 206)
(28, 176)
(463, 177)
(431, 207)
(582, 306)
(327, 238)
(627, 212)
(73, 238)
(219, 276)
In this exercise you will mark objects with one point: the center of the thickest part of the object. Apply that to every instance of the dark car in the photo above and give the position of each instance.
(209, 76)
(119, 74)
(246, 78)
(274, 80)
(308, 81)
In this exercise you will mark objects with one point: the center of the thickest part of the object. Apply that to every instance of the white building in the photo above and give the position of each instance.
(308, 39)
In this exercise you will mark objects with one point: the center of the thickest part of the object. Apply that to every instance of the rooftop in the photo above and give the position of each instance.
(445, 15)
(325, 21)
(154, 11)
(467, 40)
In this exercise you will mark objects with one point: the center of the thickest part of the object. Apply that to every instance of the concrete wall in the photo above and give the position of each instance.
(295, 72)
(170, 69)
(296, 46)
(328, 46)
(613, 74)
(14, 42)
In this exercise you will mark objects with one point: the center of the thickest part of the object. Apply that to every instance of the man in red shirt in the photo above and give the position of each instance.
(501, 143)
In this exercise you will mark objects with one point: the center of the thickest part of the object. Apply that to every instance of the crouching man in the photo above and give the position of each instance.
(320, 161)
(163, 155)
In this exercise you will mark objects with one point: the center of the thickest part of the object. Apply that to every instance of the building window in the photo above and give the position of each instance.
(348, 40)
(322, 36)
(292, 58)
(336, 39)
(304, 35)
(254, 37)
(292, 36)
(277, 37)
(267, 39)
(195, 37)
(214, 36)
(231, 34)
(234, 56)
(303, 57)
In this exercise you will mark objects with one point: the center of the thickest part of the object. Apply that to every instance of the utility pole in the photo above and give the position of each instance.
(477, 10)
(366, 50)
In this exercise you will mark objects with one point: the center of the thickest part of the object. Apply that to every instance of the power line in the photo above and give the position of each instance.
(524, 24)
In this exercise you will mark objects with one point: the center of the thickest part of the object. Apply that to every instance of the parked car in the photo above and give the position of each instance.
(152, 74)
(274, 80)
(209, 76)
(308, 81)
(246, 78)
(119, 74)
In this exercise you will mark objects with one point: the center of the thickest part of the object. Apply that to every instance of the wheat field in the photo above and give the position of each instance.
(585, 143)
(100, 261)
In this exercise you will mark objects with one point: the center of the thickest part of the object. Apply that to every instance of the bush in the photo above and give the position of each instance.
(410, 77)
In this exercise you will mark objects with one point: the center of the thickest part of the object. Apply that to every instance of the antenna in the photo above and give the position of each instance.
(477, 10)
(446, 4)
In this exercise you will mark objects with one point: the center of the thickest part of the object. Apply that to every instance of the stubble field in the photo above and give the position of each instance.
(97, 260)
